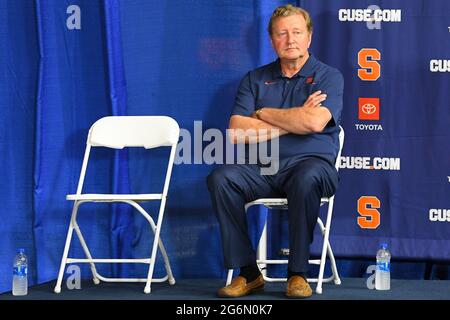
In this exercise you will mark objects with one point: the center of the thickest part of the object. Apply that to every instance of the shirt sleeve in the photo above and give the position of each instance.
(333, 85)
(245, 101)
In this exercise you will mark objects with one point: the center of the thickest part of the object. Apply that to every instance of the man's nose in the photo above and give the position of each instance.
(290, 38)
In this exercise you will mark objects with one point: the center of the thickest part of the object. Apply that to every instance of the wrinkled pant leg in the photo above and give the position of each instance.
(305, 184)
(231, 187)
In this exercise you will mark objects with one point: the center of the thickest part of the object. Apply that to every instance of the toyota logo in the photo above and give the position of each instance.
(369, 108)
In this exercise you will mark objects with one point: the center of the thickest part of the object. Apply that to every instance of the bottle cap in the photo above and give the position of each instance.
(21, 250)
(383, 246)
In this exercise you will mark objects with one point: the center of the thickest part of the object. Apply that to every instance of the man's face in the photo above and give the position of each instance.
(290, 37)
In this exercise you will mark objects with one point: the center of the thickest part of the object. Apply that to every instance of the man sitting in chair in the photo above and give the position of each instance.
(298, 100)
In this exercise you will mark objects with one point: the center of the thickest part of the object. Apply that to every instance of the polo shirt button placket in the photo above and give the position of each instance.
(285, 89)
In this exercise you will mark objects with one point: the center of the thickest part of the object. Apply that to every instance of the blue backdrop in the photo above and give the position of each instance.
(64, 64)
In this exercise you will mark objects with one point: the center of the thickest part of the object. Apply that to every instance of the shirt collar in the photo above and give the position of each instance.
(305, 71)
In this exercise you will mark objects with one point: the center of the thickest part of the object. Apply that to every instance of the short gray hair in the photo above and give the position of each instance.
(290, 10)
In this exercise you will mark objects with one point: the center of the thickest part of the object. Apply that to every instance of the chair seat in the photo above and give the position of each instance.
(113, 197)
(272, 202)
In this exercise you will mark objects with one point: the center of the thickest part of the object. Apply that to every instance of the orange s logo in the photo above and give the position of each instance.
(367, 208)
(370, 68)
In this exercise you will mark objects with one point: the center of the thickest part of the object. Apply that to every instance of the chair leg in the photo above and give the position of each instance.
(337, 280)
(95, 274)
(166, 261)
(151, 268)
(261, 253)
(155, 246)
(63, 260)
(229, 276)
(160, 243)
(66, 249)
(334, 269)
(325, 246)
(321, 269)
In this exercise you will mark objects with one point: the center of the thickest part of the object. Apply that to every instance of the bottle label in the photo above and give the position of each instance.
(383, 266)
(20, 271)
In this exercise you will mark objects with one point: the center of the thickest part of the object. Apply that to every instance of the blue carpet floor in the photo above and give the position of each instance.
(205, 289)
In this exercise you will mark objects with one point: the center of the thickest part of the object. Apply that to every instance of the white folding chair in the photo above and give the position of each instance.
(281, 203)
(117, 133)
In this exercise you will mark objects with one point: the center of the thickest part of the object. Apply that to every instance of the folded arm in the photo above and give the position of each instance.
(312, 117)
(244, 129)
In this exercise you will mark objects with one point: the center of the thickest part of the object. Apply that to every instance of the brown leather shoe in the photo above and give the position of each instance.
(298, 287)
(239, 287)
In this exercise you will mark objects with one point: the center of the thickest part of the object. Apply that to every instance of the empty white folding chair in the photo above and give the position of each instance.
(118, 132)
(282, 203)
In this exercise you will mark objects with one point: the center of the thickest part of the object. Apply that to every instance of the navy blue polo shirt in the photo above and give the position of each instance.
(266, 86)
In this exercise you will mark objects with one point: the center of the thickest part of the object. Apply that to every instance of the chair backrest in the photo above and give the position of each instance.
(118, 132)
(341, 145)
(134, 131)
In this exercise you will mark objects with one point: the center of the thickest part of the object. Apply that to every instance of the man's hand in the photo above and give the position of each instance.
(315, 100)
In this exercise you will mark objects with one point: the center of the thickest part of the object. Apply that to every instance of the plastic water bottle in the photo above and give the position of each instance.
(382, 273)
(20, 274)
